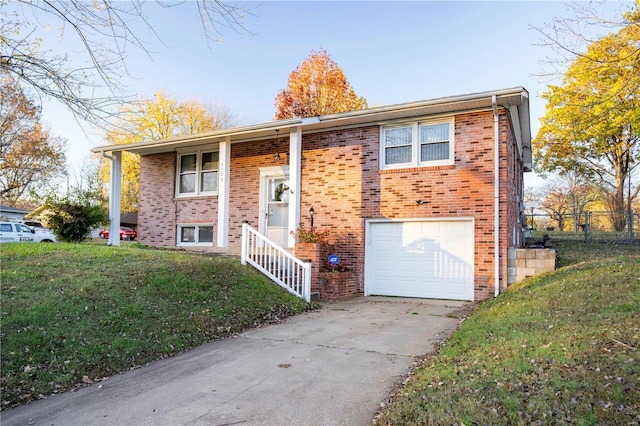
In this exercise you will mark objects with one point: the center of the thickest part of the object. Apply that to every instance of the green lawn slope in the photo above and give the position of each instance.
(563, 348)
(73, 314)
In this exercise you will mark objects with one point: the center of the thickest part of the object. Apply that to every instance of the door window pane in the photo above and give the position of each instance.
(278, 214)
(278, 190)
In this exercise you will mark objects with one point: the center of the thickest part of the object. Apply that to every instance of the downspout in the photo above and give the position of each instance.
(496, 194)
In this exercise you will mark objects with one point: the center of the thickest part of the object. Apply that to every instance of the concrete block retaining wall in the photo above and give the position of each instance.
(523, 263)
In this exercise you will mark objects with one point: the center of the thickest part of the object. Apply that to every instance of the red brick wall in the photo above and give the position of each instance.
(244, 181)
(336, 162)
(156, 207)
(514, 192)
(159, 211)
(340, 180)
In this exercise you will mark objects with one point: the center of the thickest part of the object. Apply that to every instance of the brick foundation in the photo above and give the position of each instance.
(337, 285)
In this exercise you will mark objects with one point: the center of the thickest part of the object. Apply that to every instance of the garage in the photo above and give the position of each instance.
(420, 258)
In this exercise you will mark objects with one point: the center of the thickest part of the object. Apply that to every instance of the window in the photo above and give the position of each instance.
(6, 227)
(22, 228)
(198, 173)
(418, 144)
(434, 142)
(397, 144)
(192, 235)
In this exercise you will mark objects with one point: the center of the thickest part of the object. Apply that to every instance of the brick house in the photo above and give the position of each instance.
(422, 199)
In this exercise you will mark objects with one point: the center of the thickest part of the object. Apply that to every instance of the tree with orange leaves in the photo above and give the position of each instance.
(30, 156)
(317, 87)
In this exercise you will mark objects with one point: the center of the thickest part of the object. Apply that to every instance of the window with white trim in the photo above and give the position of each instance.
(195, 235)
(417, 144)
(197, 173)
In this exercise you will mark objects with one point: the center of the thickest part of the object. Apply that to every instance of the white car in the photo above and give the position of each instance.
(18, 232)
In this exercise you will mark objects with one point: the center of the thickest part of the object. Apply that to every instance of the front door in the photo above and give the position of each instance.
(276, 211)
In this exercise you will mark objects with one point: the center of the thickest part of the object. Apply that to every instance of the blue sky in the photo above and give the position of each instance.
(391, 52)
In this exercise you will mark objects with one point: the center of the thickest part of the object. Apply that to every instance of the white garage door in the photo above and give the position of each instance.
(430, 259)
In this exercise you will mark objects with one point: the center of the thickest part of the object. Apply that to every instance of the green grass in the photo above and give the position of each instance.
(562, 348)
(74, 312)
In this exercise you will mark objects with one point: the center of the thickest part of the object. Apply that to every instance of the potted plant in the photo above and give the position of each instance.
(312, 245)
(311, 235)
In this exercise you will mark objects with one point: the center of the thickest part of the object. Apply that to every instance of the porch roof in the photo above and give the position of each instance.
(515, 100)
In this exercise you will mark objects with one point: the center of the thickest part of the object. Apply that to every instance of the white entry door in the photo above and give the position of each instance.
(276, 209)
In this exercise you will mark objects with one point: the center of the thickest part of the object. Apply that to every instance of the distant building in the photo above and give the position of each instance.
(12, 213)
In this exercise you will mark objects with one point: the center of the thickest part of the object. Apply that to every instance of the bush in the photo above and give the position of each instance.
(312, 235)
(72, 220)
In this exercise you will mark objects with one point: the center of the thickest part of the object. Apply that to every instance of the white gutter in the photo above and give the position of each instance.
(496, 195)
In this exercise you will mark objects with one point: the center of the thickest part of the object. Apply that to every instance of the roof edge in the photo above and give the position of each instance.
(515, 96)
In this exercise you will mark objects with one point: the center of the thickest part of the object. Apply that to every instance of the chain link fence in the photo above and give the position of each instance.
(589, 226)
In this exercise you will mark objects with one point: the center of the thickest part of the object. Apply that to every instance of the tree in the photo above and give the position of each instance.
(154, 119)
(318, 86)
(72, 218)
(569, 38)
(107, 30)
(592, 120)
(566, 198)
(30, 156)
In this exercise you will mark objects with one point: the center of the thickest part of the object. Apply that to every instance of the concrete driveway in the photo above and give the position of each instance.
(333, 366)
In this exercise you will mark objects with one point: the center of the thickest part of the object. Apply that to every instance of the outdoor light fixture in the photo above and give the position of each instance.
(276, 156)
(311, 213)
(420, 202)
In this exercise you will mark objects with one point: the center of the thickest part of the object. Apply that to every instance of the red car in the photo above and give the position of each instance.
(125, 233)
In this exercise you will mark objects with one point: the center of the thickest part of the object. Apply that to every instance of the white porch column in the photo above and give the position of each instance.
(115, 182)
(223, 193)
(295, 171)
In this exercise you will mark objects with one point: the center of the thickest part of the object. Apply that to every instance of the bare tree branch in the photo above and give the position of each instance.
(108, 31)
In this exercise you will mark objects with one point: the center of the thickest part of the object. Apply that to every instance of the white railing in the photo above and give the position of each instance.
(276, 263)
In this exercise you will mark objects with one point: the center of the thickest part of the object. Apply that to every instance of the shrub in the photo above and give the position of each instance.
(312, 235)
(72, 220)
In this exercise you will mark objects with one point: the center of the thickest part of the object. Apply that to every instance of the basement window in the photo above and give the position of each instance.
(195, 235)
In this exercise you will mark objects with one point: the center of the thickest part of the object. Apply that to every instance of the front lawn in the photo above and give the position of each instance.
(563, 348)
(73, 314)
